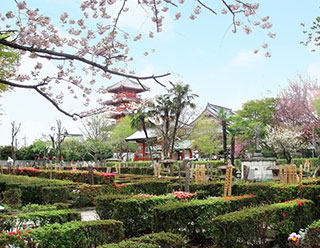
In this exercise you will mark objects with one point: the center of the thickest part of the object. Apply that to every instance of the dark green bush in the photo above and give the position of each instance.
(41, 218)
(105, 206)
(37, 219)
(261, 226)
(312, 237)
(12, 197)
(137, 213)
(31, 187)
(54, 194)
(160, 240)
(36, 207)
(193, 218)
(68, 235)
(155, 187)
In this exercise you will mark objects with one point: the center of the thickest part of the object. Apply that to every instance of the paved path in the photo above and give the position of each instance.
(88, 215)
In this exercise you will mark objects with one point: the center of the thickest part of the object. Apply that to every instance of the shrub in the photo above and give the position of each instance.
(68, 235)
(162, 240)
(84, 195)
(136, 213)
(36, 207)
(54, 194)
(31, 187)
(105, 205)
(12, 197)
(261, 225)
(36, 219)
(192, 218)
(155, 187)
(211, 188)
(41, 218)
(312, 237)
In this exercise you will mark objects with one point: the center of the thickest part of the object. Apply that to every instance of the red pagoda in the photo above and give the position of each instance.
(125, 95)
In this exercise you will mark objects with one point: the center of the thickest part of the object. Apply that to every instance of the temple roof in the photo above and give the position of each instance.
(140, 135)
(127, 83)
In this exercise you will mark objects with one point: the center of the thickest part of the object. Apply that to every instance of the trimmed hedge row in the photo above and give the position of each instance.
(36, 190)
(135, 212)
(37, 219)
(74, 175)
(193, 218)
(312, 237)
(68, 235)
(263, 225)
(154, 240)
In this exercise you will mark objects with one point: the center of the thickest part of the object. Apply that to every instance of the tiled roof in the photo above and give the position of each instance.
(127, 84)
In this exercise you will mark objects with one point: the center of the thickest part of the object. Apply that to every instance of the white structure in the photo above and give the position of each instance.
(257, 168)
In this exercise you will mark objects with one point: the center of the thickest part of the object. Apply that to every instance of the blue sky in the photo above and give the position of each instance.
(220, 66)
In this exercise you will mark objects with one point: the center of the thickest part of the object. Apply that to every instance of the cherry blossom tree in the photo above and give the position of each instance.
(87, 48)
(296, 105)
(285, 140)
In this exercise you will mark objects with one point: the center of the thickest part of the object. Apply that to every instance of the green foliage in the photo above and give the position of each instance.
(137, 213)
(257, 226)
(31, 187)
(160, 240)
(5, 152)
(67, 235)
(312, 238)
(193, 218)
(12, 197)
(48, 207)
(254, 113)
(121, 131)
(41, 218)
(105, 205)
(155, 187)
(7, 60)
(54, 194)
(205, 137)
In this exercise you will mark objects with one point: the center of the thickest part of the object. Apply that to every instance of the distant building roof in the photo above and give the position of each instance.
(212, 111)
(127, 83)
(140, 135)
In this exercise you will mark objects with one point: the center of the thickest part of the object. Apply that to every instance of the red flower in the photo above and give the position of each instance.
(286, 202)
(284, 215)
(252, 195)
(300, 203)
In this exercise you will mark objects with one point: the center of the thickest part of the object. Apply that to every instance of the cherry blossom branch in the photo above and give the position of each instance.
(205, 6)
(156, 16)
(55, 104)
(118, 16)
(77, 58)
(22, 85)
(233, 15)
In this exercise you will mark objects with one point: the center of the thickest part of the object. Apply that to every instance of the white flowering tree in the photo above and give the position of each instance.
(88, 45)
(285, 140)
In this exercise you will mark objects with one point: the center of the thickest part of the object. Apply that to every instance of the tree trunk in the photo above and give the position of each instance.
(232, 149)
(224, 141)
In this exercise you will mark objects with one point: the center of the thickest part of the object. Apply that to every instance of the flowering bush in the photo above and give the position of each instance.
(297, 239)
(183, 195)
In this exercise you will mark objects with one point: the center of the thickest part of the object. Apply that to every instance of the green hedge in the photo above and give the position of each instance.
(75, 176)
(261, 226)
(214, 188)
(192, 218)
(68, 235)
(48, 207)
(155, 187)
(32, 188)
(136, 213)
(312, 237)
(37, 219)
(105, 205)
(154, 240)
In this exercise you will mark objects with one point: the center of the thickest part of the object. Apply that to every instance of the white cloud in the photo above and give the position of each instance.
(246, 58)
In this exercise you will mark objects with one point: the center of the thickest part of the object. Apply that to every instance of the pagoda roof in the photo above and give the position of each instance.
(122, 100)
(127, 83)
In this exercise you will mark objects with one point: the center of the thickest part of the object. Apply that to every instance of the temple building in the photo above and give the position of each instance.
(125, 97)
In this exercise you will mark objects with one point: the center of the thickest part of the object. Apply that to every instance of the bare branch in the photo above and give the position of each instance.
(21, 85)
(55, 104)
(205, 6)
(118, 16)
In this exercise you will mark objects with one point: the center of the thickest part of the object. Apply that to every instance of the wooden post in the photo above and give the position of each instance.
(228, 181)
(179, 175)
(191, 170)
(300, 175)
(203, 178)
(187, 186)
(90, 175)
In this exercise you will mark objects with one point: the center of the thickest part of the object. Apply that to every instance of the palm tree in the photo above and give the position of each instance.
(181, 99)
